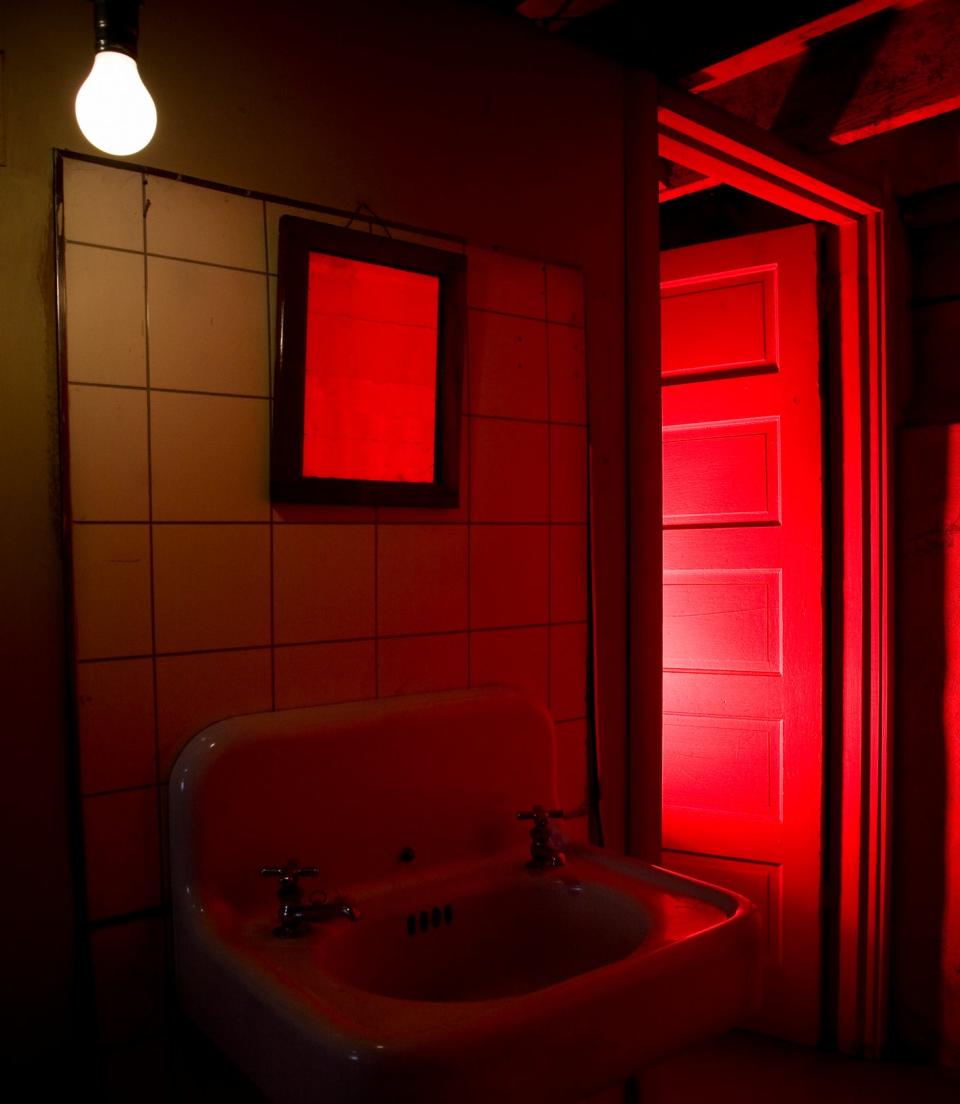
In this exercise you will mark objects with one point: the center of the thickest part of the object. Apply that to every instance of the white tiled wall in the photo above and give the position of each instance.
(196, 599)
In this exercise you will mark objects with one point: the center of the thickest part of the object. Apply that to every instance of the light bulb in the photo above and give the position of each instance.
(114, 109)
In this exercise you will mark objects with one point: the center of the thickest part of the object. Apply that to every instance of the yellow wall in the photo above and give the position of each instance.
(435, 113)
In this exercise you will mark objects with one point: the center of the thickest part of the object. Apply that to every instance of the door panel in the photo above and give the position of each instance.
(718, 321)
(725, 473)
(722, 621)
(743, 593)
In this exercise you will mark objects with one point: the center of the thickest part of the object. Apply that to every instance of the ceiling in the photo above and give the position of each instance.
(820, 74)
(671, 39)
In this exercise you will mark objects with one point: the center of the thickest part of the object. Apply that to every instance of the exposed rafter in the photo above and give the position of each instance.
(895, 64)
(786, 45)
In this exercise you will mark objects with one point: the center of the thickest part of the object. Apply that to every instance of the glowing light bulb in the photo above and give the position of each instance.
(114, 109)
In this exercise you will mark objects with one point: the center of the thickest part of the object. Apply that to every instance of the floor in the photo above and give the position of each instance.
(754, 1069)
(741, 1068)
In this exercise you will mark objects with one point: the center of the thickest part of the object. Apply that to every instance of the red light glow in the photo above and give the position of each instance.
(371, 372)
(742, 617)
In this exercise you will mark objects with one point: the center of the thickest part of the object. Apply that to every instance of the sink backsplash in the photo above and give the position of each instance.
(355, 789)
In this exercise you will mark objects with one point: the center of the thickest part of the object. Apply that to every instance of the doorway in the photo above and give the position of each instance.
(702, 138)
(744, 583)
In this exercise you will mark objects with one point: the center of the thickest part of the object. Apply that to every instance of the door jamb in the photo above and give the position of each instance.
(700, 136)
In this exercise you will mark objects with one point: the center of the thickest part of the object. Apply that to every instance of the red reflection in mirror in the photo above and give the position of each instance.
(371, 372)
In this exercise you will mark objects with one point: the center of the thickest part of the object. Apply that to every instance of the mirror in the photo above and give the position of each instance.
(369, 368)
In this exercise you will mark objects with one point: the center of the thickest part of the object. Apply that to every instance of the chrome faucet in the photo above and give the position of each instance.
(546, 845)
(294, 912)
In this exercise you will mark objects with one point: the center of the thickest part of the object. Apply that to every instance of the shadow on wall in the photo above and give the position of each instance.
(928, 559)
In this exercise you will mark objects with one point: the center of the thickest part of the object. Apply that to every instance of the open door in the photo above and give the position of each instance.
(743, 665)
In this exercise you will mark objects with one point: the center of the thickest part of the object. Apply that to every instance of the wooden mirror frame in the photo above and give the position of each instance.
(299, 238)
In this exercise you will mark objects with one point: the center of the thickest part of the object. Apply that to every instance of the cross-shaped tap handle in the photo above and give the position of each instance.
(540, 814)
(290, 874)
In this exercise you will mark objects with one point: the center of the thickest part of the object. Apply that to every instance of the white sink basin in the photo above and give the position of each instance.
(469, 977)
(498, 933)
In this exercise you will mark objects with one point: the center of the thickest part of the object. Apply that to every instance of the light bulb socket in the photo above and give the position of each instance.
(116, 26)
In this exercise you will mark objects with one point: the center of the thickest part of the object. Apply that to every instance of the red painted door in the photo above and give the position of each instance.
(743, 593)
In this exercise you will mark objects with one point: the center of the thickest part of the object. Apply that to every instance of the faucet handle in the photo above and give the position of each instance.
(541, 815)
(289, 875)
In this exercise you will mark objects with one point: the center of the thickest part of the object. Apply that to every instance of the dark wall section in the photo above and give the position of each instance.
(926, 882)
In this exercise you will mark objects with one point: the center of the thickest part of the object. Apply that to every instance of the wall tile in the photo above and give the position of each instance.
(568, 671)
(210, 458)
(102, 205)
(568, 572)
(111, 574)
(501, 282)
(116, 724)
(122, 852)
(323, 582)
(130, 988)
(208, 328)
(568, 473)
(508, 470)
(108, 454)
(106, 331)
(315, 674)
(211, 586)
(564, 295)
(204, 224)
(508, 366)
(571, 752)
(568, 374)
(193, 691)
(508, 575)
(417, 664)
(514, 657)
(421, 578)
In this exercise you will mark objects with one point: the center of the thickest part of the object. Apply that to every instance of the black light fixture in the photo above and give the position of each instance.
(114, 109)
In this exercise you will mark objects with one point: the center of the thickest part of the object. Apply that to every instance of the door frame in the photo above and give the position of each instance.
(700, 136)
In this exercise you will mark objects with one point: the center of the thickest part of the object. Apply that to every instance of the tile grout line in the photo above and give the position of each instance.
(550, 476)
(398, 522)
(466, 442)
(270, 561)
(171, 390)
(145, 207)
(322, 642)
(528, 317)
(168, 257)
(526, 421)
(376, 604)
(516, 419)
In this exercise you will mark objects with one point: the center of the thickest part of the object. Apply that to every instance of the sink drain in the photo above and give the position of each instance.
(426, 919)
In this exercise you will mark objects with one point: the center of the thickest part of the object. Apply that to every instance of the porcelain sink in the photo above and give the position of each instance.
(500, 932)
(469, 976)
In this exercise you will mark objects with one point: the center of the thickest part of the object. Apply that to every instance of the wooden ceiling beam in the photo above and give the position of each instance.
(915, 76)
(786, 45)
(894, 65)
